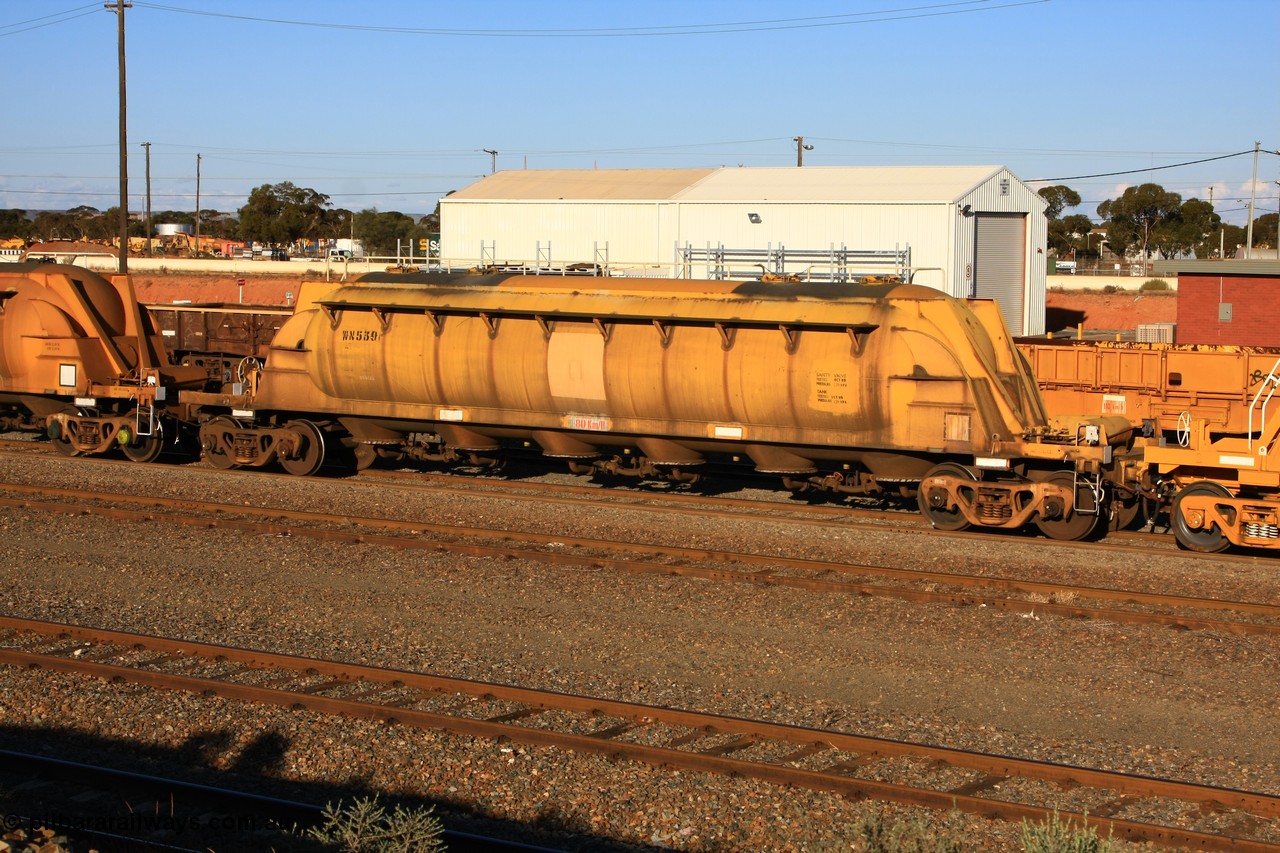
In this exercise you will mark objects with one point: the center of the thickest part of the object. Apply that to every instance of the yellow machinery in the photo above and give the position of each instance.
(861, 389)
(1208, 425)
(1227, 482)
(79, 359)
(1158, 387)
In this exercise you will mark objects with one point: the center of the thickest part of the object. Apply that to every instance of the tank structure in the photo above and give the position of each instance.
(80, 360)
(1208, 425)
(856, 388)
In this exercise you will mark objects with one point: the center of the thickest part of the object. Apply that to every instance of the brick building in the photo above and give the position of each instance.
(1226, 302)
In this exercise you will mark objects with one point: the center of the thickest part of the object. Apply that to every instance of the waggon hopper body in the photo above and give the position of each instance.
(80, 359)
(858, 388)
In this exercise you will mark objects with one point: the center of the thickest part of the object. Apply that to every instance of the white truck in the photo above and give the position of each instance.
(346, 250)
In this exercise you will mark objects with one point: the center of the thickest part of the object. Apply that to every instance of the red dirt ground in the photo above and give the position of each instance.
(1066, 309)
(1110, 311)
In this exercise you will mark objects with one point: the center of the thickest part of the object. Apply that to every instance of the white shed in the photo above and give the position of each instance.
(971, 231)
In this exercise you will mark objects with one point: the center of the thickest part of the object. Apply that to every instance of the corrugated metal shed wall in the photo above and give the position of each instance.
(819, 226)
(1004, 193)
(574, 230)
(647, 231)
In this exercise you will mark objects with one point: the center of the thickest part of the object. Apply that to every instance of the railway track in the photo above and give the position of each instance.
(658, 502)
(1127, 806)
(84, 798)
(910, 584)
(813, 514)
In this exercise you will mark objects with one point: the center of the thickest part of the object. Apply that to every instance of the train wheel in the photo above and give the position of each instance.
(59, 439)
(214, 450)
(939, 515)
(63, 444)
(310, 455)
(1074, 526)
(1207, 541)
(145, 448)
(365, 455)
(1124, 512)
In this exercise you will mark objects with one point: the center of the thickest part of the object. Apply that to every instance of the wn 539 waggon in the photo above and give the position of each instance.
(884, 388)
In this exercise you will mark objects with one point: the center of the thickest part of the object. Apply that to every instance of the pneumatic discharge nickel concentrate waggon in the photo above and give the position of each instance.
(856, 388)
(861, 389)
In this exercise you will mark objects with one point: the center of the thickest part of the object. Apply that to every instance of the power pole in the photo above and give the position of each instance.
(123, 224)
(1253, 192)
(800, 149)
(197, 205)
(493, 157)
(1220, 232)
(147, 145)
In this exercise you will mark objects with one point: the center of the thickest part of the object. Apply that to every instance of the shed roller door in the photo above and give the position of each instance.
(1000, 264)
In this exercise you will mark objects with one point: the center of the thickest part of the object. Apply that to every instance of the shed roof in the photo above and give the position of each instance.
(785, 184)
(581, 185)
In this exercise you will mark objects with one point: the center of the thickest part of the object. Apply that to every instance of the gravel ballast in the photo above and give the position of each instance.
(1186, 705)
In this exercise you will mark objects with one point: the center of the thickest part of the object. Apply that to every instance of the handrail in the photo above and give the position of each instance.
(836, 263)
(1273, 381)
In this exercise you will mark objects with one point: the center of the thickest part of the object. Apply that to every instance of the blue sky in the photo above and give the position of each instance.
(390, 104)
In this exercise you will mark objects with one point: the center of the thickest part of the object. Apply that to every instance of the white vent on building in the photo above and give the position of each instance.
(1156, 333)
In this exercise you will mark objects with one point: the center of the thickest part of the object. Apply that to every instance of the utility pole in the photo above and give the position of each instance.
(147, 145)
(197, 205)
(123, 224)
(1253, 192)
(800, 149)
(493, 157)
(1221, 233)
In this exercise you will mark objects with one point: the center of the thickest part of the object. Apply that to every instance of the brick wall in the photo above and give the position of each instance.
(1255, 310)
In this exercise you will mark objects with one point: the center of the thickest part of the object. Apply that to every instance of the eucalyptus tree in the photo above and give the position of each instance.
(283, 213)
(1134, 221)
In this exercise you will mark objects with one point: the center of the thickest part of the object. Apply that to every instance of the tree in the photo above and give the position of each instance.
(14, 223)
(1064, 234)
(53, 225)
(108, 225)
(217, 224)
(337, 223)
(85, 223)
(1059, 197)
(1264, 230)
(1191, 231)
(282, 213)
(1228, 237)
(1069, 234)
(1132, 221)
(381, 232)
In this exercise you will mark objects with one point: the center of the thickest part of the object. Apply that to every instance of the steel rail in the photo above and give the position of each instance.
(714, 507)
(726, 507)
(834, 779)
(766, 576)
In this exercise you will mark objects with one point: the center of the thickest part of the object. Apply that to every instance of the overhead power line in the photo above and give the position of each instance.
(959, 7)
(48, 20)
(370, 194)
(1139, 171)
